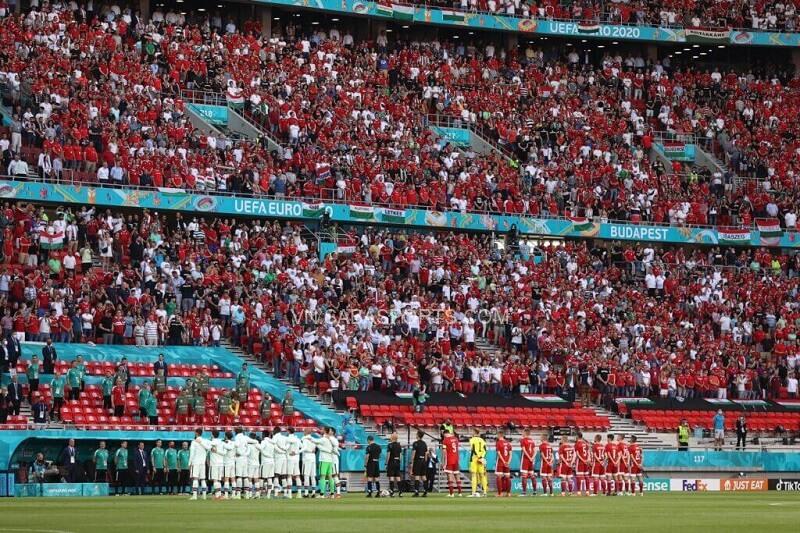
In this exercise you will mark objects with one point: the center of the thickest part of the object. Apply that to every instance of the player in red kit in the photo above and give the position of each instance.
(612, 467)
(451, 466)
(503, 468)
(583, 459)
(546, 468)
(598, 465)
(622, 470)
(636, 474)
(526, 464)
(566, 462)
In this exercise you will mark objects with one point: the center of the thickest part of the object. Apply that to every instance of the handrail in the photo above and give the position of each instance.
(336, 200)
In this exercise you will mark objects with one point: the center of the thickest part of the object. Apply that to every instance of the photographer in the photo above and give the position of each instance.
(38, 471)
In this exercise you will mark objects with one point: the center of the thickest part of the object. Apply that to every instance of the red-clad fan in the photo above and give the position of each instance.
(503, 468)
(612, 466)
(583, 460)
(623, 470)
(599, 465)
(546, 469)
(451, 463)
(636, 472)
(526, 471)
(566, 462)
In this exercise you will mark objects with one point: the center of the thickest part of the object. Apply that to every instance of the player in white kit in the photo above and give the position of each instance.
(242, 443)
(254, 466)
(229, 475)
(292, 462)
(267, 450)
(308, 455)
(281, 448)
(198, 454)
(216, 459)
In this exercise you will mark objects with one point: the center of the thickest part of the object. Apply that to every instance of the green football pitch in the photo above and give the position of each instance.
(768, 511)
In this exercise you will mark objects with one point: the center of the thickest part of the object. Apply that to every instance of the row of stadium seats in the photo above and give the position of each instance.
(670, 420)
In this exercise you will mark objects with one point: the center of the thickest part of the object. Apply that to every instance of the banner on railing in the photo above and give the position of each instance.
(533, 26)
(213, 114)
(180, 200)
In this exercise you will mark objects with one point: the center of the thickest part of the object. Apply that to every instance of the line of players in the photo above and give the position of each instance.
(242, 466)
(610, 468)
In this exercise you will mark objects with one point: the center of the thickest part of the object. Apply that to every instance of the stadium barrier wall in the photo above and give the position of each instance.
(50, 490)
(544, 27)
(180, 200)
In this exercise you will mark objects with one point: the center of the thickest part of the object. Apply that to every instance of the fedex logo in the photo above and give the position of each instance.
(696, 485)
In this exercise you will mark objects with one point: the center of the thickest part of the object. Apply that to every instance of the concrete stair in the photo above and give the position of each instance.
(325, 400)
(628, 427)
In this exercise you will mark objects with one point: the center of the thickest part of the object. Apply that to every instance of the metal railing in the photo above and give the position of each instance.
(338, 196)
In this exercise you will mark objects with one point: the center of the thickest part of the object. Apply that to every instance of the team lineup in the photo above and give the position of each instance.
(236, 465)
(610, 468)
(240, 466)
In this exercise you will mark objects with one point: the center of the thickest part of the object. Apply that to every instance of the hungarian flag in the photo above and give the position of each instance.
(588, 27)
(400, 12)
(790, 404)
(734, 236)
(51, 240)
(234, 96)
(769, 227)
(452, 16)
(362, 212)
(404, 395)
(700, 35)
(393, 216)
(544, 398)
(580, 223)
(313, 210)
(384, 9)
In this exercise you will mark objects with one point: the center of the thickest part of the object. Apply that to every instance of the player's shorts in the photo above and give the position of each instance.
(373, 469)
(392, 469)
(636, 470)
(582, 469)
(241, 467)
(197, 471)
(326, 469)
(502, 470)
(230, 470)
(293, 466)
(598, 470)
(612, 469)
(419, 467)
(280, 465)
(267, 469)
(477, 467)
(215, 473)
(526, 467)
(253, 471)
(547, 469)
(452, 467)
(310, 466)
(564, 470)
(623, 469)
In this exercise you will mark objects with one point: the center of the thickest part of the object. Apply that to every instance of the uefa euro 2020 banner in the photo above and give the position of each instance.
(532, 26)
(766, 233)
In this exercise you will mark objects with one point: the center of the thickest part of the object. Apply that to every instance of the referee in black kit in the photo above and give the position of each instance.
(393, 453)
(419, 464)
(372, 467)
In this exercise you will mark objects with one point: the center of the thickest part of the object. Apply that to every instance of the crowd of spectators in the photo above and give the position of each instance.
(407, 311)
(352, 119)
